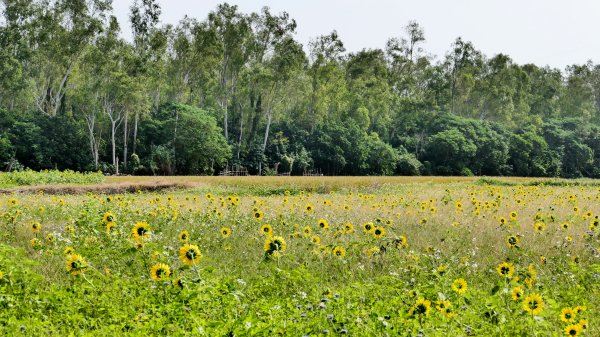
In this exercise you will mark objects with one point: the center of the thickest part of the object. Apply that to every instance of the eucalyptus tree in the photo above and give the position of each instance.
(66, 28)
(328, 91)
(234, 33)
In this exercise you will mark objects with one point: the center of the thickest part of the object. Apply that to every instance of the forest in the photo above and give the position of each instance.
(236, 90)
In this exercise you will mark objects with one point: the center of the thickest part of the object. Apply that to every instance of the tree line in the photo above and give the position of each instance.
(237, 90)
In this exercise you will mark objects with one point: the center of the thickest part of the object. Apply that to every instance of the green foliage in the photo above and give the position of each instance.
(29, 177)
(225, 90)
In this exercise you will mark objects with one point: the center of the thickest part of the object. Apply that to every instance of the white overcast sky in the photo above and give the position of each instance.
(545, 32)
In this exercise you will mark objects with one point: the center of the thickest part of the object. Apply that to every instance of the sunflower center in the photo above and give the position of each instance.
(421, 309)
(141, 231)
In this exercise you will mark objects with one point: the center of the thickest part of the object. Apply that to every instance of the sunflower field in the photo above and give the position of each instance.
(456, 258)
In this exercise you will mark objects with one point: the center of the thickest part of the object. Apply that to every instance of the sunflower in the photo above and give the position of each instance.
(373, 251)
(567, 315)
(565, 225)
(275, 245)
(309, 208)
(140, 231)
(315, 239)
(108, 217)
(513, 215)
(539, 227)
(258, 215)
(76, 264)
(178, 283)
(459, 286)
(459, 206)
(512, 241)
(225, 232)
(378, 232)
(517, 293)
(368, 227)
(323, 224)
(36, 227)
(35, 243)
(421, 307)
(442, 305)
(338, 252)
(110, 226)
(160, 271)
(583, 323)
(502, 221)
(505, 269)
(190, 254)
(307, 231)
(266, 229)
(69, 250)
(184, 236)
(348, 228)
(533, 304)
(573, 330)
(401, 242)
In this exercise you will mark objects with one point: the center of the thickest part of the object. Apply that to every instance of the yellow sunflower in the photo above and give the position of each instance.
(225, 232)
(505, 269)
(160, 271)
(315, 239)
(459, 286)
(421, 307)
(517, 293)
(339, 251)
(513, 241)
(275, 245)
(140, 230)
(573, 330)
(76, 264)
(36, 227)
(323, 224)
(266, 229)
(108, 217)
(368, 227)
(348, 228)
(190, 254)
(533, 304)
(568, 315)
(307, 231)
(184, 236)
(378, 232)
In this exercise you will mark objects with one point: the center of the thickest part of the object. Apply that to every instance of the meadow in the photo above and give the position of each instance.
(294, 256)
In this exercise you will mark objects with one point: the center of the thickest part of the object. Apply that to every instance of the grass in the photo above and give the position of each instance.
(435, 230)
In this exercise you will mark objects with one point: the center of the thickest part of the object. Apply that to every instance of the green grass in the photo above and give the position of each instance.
(239, 289)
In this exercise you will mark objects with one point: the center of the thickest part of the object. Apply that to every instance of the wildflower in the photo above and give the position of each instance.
(348, 228)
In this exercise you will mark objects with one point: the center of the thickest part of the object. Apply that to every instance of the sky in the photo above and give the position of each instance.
(556, 33)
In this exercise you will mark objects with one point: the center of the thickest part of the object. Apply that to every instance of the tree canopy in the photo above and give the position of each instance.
(237, 90)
